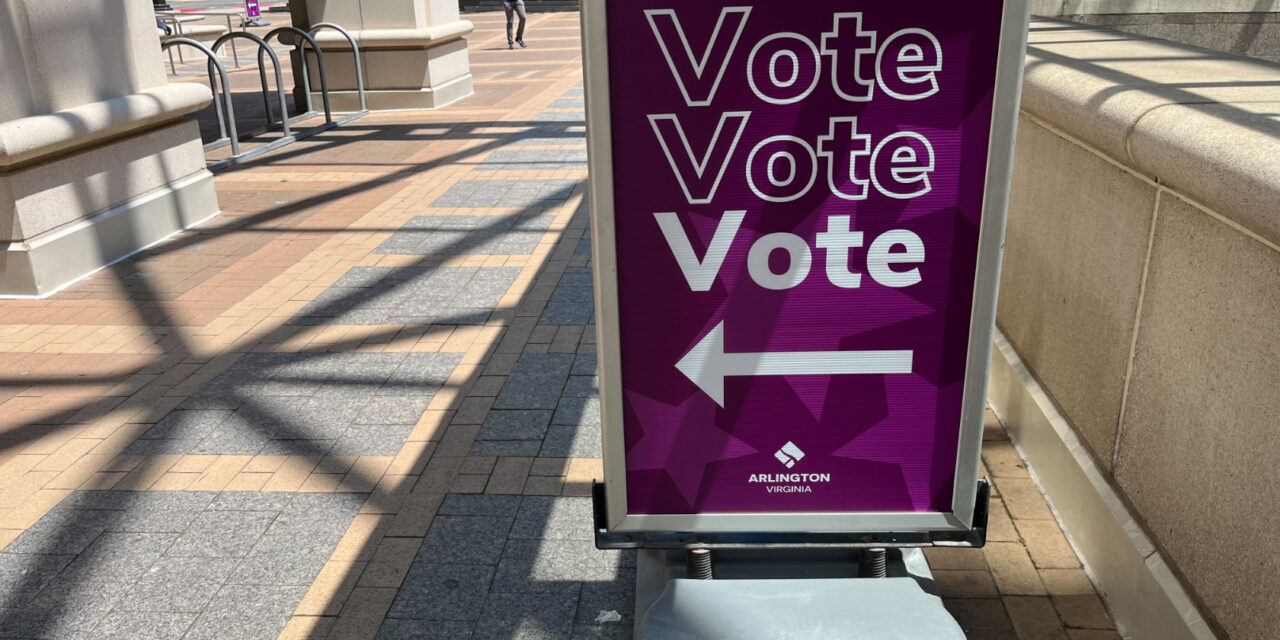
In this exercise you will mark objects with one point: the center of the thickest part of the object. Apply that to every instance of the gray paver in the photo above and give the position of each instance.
(179, 585)
(375, 388)
(62, 531)
(535, 382)
(149, 625)
(479, 505)
(545, 615)
(506, 448)
(565, 441)
(555, 518)
(507, 193)
(540, 565)
(247, 612)
(65, 609)
(443, 592)
(403, 629)
(250, 501)
(465, 540)
(118, 557)
(223, 534)
(527, 424)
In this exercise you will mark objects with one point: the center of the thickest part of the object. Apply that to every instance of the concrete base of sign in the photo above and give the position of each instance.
(788, 593)
(1145, 598)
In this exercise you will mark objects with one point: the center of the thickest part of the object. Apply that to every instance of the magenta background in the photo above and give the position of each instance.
(889, 442)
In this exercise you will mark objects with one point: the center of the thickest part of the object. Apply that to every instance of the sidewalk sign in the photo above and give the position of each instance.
(251, 9)
(797, 215)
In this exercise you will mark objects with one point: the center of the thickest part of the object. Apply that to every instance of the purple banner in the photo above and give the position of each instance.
(251, 8)
(798, 190)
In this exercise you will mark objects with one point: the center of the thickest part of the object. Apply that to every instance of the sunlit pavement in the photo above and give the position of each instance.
(362, 402)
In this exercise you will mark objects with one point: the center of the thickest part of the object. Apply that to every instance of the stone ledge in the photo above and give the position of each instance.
(385, 38)
(1197, 121)
(33, 138)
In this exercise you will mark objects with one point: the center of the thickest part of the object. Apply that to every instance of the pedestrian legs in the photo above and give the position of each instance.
(514, 8)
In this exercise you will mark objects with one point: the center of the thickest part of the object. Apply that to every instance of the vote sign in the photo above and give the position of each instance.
(797, 213)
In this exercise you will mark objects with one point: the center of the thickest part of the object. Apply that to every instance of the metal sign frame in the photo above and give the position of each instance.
(999, 171)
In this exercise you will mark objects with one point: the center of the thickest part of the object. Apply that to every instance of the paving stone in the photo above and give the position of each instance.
(582, 412)
(27, 574)
(571, 442)
(402, 629)
(539, 565)
(534, 160)
(546, 615)
(567, 103)
(506, 448)
(250, 501)
(373, 439)
(492, 193)
(515, 425)
(535, 382)
(479, 505)
(585, 364)
(392, 410)
(247, 612)
(582, 387)
(981, 618)
(443, 592)
(62, 532)
(465, 540)
(187, 424)
(554, 518)
(607, 596)
(65, 609)
(558, 116)
(178, 585)
(222, 534)
(118, 557)
(282, 561)
(161, 447)
(1034, 618)
(568, 313)
(150, 625)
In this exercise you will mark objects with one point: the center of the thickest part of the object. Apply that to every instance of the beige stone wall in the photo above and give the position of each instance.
(1141, 286)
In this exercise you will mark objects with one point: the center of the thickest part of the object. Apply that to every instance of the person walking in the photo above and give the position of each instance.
(513, 8)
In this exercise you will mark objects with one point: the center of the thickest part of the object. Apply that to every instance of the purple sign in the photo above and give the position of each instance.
(797, 203)
(251, 8)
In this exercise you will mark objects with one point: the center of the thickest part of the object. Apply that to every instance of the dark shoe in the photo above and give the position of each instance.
(510, 46)
(521, 43)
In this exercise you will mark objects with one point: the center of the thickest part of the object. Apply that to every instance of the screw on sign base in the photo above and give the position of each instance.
(699, 564)
(871, 563)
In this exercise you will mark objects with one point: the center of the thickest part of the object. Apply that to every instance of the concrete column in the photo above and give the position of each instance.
(96, 161)
(414, 52)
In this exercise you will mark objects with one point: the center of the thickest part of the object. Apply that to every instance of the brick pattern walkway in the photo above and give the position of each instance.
(362, 403)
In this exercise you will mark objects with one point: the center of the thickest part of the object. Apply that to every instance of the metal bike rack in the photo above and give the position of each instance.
(266, 103)
(355, 52)
(224, 110)
(306, 75)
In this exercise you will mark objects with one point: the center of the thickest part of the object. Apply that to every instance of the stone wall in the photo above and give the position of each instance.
(1141, 287)
(1245, 27)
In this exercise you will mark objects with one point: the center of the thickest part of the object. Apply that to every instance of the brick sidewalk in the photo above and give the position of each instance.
(362, 403)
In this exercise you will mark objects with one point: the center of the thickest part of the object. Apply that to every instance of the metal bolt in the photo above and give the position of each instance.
(699, 564)
(871, 563)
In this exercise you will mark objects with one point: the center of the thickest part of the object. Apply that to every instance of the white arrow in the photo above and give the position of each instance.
(707, 364)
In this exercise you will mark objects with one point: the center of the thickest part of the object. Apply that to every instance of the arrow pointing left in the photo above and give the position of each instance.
(707, 364)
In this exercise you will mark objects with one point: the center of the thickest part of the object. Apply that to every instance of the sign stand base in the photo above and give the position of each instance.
(770, 585)
(789, 593)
